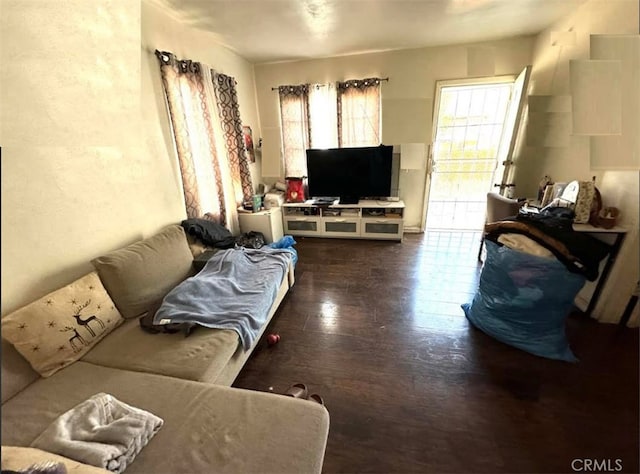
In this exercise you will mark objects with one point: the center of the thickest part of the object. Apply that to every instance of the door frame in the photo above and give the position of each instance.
(506, 155)
(440, 84)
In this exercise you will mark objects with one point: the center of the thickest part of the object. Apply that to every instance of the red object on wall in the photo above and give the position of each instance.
(295, 190)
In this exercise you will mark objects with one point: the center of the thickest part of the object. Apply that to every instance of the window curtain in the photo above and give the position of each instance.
(191, 112)
(296, 129)
(229, 110)
(359, 112)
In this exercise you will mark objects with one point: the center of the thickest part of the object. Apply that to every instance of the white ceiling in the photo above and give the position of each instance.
(282, 30)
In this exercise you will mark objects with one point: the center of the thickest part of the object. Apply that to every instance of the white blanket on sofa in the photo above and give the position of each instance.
(235, 290)
(101, 431)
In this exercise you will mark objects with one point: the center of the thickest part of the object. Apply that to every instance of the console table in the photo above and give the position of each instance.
(588, 303)
(368, 219)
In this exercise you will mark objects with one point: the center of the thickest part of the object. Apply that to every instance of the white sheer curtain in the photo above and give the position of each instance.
(359, 112)
(323, 115)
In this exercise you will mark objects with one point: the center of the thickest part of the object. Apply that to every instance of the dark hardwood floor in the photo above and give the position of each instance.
(376, 329)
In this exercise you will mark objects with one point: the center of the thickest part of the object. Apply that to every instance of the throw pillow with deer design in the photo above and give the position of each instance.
(61, 327)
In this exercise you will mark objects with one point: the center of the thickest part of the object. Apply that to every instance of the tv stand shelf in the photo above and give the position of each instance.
(368, 219)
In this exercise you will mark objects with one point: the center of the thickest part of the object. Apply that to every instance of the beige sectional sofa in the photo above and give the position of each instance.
(209, 427)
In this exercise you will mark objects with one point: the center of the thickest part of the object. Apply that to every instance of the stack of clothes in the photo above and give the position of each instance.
(552, 229)
(535, 266)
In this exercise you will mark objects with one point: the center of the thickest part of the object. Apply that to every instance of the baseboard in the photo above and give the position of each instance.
(412, 230)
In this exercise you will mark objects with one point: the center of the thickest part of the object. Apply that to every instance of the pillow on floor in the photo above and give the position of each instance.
(61, 327)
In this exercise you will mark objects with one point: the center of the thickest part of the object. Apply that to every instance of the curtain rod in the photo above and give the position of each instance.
(322, 85)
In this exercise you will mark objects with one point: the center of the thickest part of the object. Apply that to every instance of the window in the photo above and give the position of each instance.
(359, 113)
(327, 116)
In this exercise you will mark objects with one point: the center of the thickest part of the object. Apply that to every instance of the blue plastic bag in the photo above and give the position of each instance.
(287, 242)
(523, 300)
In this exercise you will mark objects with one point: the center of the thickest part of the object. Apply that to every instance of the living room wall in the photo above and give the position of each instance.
(569, 158)
(88, 163)
(407, 99)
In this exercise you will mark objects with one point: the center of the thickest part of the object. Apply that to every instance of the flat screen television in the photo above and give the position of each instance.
(350, 173)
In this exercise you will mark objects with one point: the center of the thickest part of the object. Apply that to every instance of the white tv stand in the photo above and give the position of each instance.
(367, 219)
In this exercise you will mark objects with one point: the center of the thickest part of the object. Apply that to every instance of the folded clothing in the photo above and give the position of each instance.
(578, 252)
(101, 431)
(524, 244)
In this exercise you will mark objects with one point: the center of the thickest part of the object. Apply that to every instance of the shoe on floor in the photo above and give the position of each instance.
(297, 390)
(316, 398)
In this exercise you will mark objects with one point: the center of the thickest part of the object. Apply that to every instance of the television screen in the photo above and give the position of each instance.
(350, 173)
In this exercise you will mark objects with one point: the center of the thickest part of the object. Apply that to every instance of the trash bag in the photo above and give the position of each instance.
(523, 300)
(252, 240)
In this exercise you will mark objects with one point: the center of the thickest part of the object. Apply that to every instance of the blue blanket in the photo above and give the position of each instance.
(235, 290)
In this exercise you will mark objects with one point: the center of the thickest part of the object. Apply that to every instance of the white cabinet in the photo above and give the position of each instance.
(269, 222)
(365, 220)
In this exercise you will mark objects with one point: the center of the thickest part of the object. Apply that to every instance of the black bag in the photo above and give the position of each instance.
(251, 240)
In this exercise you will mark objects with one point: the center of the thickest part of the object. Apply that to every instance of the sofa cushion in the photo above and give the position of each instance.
(16, 372)
(18, 458)
(201, 356)
(139, 275)
(62, 326)
(207, 428)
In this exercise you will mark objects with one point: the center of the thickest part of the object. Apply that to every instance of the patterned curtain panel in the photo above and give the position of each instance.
(229, 110)
(296, 131)
(190, 111)
(359, 112)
